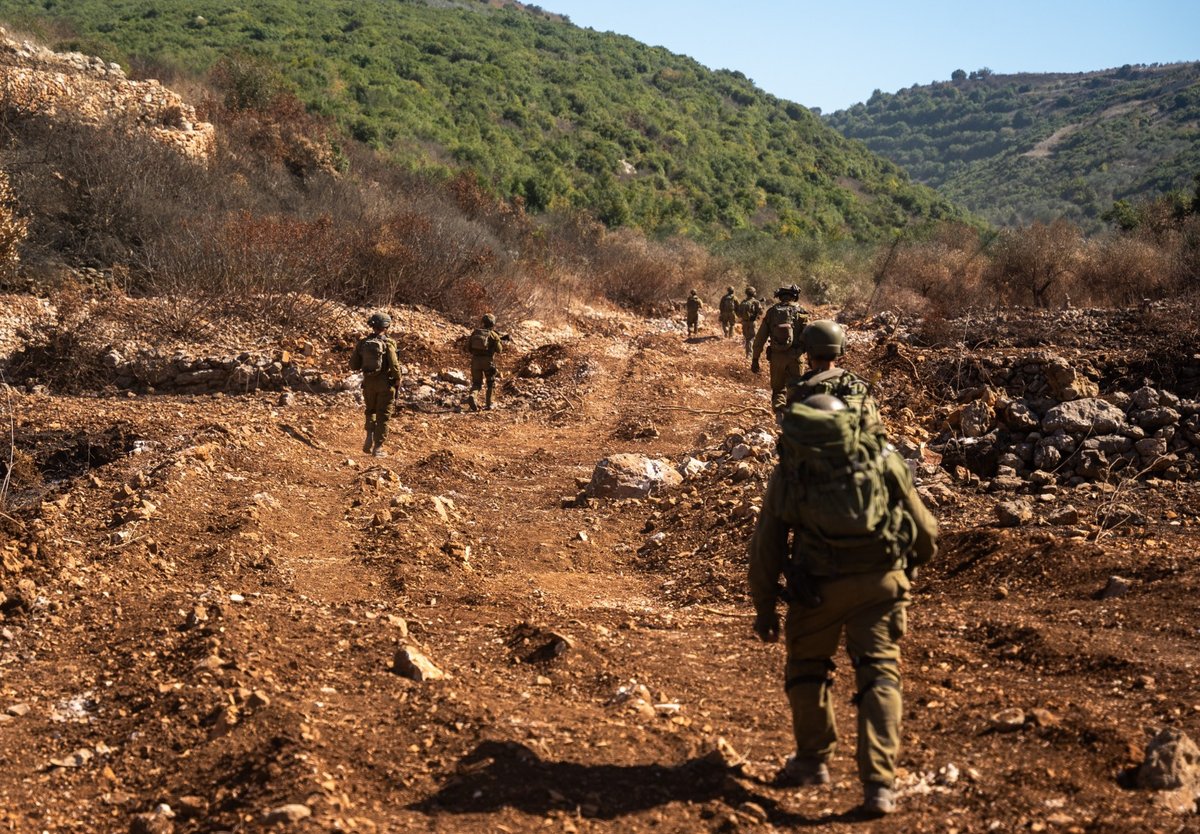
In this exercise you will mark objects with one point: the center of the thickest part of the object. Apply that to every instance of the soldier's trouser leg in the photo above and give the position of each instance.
(784, 369)
(490, 374)
(748, 337)
(871, 607)
(379, 410)
(873, 642)
(693, 324)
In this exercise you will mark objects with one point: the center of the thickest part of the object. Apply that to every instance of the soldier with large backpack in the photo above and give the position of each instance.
(781, 326)
(727, 309)
(749, 311)
(375, 356)
(483, 344)
(843, 524)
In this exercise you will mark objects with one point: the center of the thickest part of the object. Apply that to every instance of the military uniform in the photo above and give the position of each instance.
(483, 344)
(784, 360)
(728, 311)
(870, 607)
(378, 388)
(749, 311)
(693, 314)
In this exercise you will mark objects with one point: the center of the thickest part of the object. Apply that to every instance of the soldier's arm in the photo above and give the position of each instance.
(497, 344)
(356, 360)
(925, 547)
(393, 364)
(768, 555)
(760, 338)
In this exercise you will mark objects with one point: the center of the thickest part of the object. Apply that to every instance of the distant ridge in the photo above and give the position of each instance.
(1024, 147)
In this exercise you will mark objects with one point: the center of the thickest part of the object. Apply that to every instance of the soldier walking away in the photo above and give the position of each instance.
(483, 344)
(749, 312)
(842, 523)
(781, 326)
(693, 313)
(824, 342)
(728, 312)
(376, 357)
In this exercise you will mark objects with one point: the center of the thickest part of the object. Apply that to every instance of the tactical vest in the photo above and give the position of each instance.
(728, 306)
(750, 309)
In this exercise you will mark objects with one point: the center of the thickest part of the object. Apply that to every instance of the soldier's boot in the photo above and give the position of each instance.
(488, 402)
(802, 771)
(472, 405)
(878, 800)
(369, 442)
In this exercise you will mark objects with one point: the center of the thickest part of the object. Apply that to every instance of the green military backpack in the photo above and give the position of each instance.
(846, 386)
(832, 490)
(479, 344)
(373, 350)
(787, 320)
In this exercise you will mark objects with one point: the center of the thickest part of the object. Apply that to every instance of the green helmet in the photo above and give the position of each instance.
(379, 320)
(489, 320)
(824, 402)
(729, 290)
(751, 292)
(824, 339)
(691, 292)
(788, 291)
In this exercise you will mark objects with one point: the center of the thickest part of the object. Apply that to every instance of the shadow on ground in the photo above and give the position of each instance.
(510, 775)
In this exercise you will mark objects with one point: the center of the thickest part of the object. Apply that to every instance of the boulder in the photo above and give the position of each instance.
(1084, 416)
(1067, 384)
(1156, 418)
(1172, 763)
(632, 476)
(1013, 513)
(977, 419)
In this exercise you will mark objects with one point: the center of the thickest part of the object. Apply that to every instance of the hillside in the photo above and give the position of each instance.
(1020, 148)
(557, 115)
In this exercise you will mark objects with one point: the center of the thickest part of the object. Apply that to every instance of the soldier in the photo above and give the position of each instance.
(375, 356)
(781, 325)
(728, 311)
(693, 313)
(749, 312)
(483, 344)
(849, 561)
(824, 342)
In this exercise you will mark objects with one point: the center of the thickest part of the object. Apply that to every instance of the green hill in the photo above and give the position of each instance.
(1019, 148)
(558, 115)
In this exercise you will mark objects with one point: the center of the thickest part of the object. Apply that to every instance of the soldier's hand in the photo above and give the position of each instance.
(766, 626)
(755, 368)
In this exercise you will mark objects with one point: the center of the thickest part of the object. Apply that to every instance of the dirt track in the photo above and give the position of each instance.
(227, 650)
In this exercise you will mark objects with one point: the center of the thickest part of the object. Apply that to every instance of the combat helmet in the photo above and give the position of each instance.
(489, 320)
(751, 292)
(729, 290)
(691, 292)
(379, 320)
(788, 291)
(824, 402)
(823, 339)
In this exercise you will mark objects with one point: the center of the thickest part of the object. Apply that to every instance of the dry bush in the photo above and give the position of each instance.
(1035, 266)
(940, 275)
(1123, 269)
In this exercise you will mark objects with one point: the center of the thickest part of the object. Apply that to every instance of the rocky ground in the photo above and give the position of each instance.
(219, 615)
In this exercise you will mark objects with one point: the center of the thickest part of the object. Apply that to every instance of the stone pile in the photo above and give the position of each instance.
(1044, 420)
(38, 80)
(150, 372)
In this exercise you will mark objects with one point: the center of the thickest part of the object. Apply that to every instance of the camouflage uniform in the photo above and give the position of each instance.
(749, 311)
(378, 388)
(483, 365)
(784, 361)
(693, 313)
(728, 309)
(870, 607)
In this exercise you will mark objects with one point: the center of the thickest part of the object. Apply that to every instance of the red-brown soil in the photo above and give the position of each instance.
(215, 588)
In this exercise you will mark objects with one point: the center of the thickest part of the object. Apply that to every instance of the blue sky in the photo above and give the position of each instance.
(832, 54)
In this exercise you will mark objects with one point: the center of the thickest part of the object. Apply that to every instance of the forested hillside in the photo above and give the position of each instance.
(1021, 148)
(542, 109)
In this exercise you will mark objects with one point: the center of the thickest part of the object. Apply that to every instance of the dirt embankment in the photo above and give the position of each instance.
(205, 596)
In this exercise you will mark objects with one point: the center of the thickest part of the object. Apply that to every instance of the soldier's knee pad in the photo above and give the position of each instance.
(809, 671)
